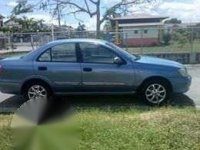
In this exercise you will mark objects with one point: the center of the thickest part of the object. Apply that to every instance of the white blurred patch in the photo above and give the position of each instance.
(29, 114)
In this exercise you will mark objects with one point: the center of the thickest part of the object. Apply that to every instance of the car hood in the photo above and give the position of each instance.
(159, 61)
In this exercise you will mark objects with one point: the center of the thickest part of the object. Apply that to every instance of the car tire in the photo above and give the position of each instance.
(41, 91)
(155, 92)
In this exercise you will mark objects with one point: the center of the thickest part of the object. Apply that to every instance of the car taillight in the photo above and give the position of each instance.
(1, 68)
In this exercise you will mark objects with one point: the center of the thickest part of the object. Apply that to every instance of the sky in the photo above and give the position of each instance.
(186, 10)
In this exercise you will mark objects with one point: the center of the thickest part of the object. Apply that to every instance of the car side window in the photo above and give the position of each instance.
(64, 53)
(45, 57)
(96, 53)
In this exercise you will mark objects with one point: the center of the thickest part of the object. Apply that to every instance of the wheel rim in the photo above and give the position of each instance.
(37, 91)
(155, 93)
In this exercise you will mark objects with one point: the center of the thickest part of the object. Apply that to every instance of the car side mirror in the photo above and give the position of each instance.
(118, 61)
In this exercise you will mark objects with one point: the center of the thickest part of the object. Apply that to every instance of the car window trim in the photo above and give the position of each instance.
(81, 54)
(50, 49)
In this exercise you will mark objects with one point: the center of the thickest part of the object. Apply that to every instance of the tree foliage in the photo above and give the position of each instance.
(166, 38)
(81, 27)
(181, 37)
(25, 25)
(173, 21)
(22, 7)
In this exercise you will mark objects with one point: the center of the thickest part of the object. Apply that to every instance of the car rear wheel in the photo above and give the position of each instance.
(155, 92)
(37, 91)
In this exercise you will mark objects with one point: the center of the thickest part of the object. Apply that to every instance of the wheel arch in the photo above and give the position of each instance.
(36, 80)
(167, 81)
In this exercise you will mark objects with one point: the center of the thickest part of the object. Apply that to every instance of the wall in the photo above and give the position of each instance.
(184, 58)
(140, 36)
(137, 42)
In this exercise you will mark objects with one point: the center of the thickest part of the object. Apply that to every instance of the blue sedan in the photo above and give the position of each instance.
(87, 66)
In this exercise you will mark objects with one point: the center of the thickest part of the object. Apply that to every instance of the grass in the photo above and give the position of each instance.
(141, 129)
(108, 128)
(172, 48)
(5, 133)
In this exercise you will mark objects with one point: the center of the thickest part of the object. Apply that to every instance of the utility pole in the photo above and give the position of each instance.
(52, 32)
(58, 13)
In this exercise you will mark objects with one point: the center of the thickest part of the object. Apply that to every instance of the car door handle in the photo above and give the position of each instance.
(87, 69)
(42, 68)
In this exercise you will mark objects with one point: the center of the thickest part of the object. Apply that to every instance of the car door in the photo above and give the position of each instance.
(59, 66)
(100, 73)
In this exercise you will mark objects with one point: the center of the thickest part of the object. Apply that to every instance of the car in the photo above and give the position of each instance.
(91, 67)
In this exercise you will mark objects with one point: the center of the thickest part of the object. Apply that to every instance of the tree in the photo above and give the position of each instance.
(96, 12)
(25, 25)
(81, 27)
(80, 30)
(55, 9)
(181, 37)
(173, 21)
(166, 38)
(107, 26)
(22, 7)
(195, 31)
(92, 8)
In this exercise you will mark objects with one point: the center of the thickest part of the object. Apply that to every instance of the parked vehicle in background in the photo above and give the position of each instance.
(87, 66)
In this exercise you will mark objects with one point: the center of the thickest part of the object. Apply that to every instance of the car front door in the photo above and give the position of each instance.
(100, 73)
(59, 65)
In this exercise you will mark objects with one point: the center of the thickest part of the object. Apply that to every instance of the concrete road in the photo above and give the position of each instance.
(9, 103)
(194, 92)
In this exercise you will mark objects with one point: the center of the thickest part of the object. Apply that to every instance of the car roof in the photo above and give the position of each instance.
(78, 41)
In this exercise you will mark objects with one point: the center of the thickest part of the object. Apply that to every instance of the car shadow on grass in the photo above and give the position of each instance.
(11, 104)
(61, 107)
(177, 100)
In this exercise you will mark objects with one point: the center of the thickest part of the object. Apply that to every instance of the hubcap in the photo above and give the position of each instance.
(37, 91)
(155, 93)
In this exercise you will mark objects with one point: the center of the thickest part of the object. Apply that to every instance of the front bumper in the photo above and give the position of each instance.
(181, 84)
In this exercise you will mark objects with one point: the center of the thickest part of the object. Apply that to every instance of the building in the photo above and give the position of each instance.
(138, 30)
(12, 23)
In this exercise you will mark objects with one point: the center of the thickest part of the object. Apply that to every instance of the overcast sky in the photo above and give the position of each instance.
(186, 10)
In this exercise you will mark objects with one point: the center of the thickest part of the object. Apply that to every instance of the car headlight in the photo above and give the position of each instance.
(183, 72)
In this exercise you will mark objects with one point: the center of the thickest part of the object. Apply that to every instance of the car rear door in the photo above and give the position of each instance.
(59, 65)
(100, 74)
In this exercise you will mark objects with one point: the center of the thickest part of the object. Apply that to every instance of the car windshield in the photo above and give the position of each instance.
(131, 56)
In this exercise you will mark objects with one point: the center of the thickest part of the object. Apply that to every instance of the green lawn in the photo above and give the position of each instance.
(172, 48)
(115, 128)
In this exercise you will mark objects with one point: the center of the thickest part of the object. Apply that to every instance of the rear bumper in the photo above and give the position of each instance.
(9, 87)
(181, 85)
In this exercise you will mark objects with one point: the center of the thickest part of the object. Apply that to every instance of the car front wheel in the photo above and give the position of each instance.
(36, 91)
(155, 92)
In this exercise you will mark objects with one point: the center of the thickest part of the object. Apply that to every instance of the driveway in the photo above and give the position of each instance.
(9, 103)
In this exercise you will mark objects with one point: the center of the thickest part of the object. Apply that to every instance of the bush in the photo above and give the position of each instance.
(166, 38)
(181, 36)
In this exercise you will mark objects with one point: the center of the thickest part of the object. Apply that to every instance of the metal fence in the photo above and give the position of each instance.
(147, 41)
